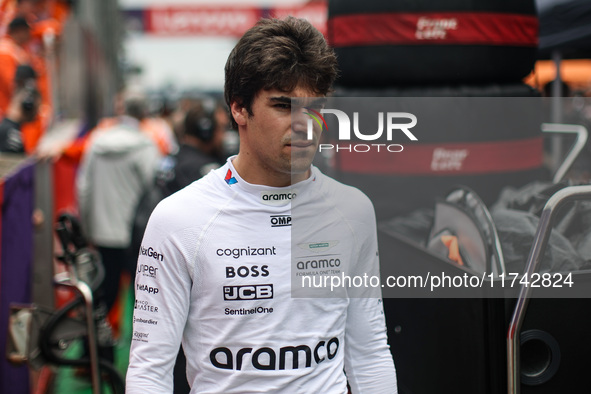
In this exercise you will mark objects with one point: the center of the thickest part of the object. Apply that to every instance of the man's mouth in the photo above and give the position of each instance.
(301, 144)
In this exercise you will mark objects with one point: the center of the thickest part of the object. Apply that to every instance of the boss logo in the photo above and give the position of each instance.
(248, 292)
(245, 271)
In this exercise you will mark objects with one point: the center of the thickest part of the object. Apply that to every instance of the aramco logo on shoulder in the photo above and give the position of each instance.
(390, 122)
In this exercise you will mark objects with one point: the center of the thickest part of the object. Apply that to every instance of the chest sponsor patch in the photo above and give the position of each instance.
(319, 247)
(277, 199)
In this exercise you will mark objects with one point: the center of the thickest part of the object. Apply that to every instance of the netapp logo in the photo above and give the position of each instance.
(245, 271)
(280, 220)
(248, 292)
(278, 199)
(145, 306)
(147, 270)
(249, 251)
(150, 252)
(147, 289)
(320, 263)
(265, 358)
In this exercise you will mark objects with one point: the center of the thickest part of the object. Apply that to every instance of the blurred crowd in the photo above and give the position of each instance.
(133, 160)
(150, 147)
(29, 31)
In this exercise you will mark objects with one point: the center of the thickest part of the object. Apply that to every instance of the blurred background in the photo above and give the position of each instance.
(67, 65)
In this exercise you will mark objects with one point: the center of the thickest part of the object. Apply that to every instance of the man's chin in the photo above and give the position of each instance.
(301, 165)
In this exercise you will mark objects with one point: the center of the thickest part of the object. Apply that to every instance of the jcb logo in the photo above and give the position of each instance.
(248, 292)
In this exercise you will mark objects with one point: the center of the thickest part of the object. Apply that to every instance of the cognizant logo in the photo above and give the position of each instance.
(389, 122)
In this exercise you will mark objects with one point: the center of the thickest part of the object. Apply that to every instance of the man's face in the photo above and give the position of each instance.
(273, 143)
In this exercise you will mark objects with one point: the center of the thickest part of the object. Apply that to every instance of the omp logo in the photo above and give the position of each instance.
(278, 199)
(434, 28)
(269, 359)
(248, 292)
(280, 220)
(150, 252)
(448, 159)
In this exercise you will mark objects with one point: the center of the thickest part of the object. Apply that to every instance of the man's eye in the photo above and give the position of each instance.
(283, 106)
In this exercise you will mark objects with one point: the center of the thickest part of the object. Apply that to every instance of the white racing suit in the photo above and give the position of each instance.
(218, 267)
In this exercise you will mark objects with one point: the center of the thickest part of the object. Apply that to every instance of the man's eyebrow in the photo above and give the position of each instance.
(299, 101)
(280, 99)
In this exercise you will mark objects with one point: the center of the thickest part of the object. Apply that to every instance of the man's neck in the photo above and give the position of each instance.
(268, 178)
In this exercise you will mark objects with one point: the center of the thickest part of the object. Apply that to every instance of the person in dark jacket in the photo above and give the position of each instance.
(200, 151)
(23, 108)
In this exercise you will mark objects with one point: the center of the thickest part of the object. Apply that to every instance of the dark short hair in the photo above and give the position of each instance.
(23, 73)
(200, 122)
(278, 54)
(136, 107)
(18, 23)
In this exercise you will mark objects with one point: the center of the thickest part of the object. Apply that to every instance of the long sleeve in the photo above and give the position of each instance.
(368, 362)
(162, 287)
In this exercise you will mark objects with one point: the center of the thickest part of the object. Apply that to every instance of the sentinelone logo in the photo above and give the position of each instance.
(345, 130)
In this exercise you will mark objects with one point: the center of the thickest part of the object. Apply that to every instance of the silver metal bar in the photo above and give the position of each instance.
(556, 111)
(536, 254)
(86, 293)
(580, 141)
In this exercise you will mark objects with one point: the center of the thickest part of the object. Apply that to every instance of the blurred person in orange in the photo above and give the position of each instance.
(118, 165)
(12, 54)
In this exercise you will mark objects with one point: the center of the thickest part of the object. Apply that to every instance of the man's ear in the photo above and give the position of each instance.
(239, 113)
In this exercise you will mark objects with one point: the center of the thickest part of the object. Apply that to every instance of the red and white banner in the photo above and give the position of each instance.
(445, 158)
(210, 21)
(447, 28)
(229, 21)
